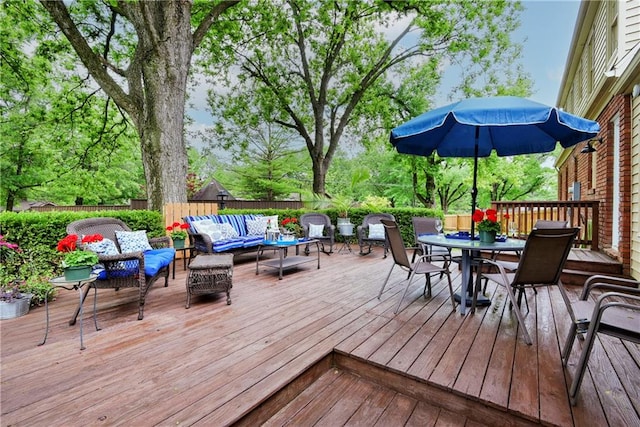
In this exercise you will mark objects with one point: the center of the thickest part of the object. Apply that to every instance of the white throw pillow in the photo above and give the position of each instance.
(227, 230)
(133, 241)
(103, 247)
(198, 226)
(256, 227)
(212, 230)
(376, 231)
(316, 230)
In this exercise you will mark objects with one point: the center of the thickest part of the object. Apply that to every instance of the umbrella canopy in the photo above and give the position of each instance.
(475, 127)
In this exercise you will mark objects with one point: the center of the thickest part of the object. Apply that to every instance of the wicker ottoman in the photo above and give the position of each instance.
(210, 274)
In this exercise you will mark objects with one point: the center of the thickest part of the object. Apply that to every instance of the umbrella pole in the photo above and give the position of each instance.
(474, 190)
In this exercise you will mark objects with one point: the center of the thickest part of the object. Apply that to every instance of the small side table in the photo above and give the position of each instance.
(184, 259)
(210, 274)
(61, 282)
(346, 245)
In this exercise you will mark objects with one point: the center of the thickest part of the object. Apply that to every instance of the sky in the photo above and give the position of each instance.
(545, 32)
(548, 28)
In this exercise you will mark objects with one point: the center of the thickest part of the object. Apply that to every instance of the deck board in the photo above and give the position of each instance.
(214, 363)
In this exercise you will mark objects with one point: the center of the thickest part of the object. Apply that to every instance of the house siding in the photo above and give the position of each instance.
(632, 24)
(598, 84)
(635, 189)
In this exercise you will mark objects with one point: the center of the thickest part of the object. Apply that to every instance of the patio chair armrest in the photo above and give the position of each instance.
(160, 242)
(115, 262)
(202, 242)
(501, 269)
(609, 283)
(613, 300)
(131, 256)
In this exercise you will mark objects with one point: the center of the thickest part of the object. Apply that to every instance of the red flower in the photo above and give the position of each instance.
(506, 216)
(478, 215)
(289, 220)
(178, 230)
(92, 238)
(68, 244)
(290, 224)
(487, 221)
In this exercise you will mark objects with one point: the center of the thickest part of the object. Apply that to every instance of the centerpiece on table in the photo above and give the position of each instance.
(488, 225)
(178, 233)
(290, 229)
(78, 263)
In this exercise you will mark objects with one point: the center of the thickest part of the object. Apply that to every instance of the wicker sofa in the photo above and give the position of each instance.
(125, 270)
(246, 234)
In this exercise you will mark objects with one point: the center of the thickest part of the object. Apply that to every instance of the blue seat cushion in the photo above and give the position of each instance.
(157, 259)
(154, 261)
(250, 241)
(226, 244)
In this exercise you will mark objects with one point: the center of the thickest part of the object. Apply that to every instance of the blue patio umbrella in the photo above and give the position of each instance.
(475, 127)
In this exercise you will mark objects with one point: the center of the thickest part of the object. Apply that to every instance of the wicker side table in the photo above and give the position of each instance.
(210, 274)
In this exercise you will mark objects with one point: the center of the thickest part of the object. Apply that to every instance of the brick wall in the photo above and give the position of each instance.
(579, 167)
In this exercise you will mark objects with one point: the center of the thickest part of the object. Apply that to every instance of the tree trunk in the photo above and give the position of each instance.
(319, 176)
(156, 81)
(160, 128)
(160, 98)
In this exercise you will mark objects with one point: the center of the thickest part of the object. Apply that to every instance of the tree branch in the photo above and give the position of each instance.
(208, 21)
(96, 65)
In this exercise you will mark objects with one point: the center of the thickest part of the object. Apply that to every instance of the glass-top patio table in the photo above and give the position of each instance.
(470, 248)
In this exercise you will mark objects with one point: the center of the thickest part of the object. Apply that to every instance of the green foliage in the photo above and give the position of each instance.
(60, 140)
(79, 258)
(40, 287)
(37, 234)
(376, 203)
(302, 66)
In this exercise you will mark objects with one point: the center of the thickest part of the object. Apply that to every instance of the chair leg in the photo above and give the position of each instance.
(427, 285)
(453, 301)
(385, 282)
(519, 316)
(582, 364)
(568, 344)
(413, 273)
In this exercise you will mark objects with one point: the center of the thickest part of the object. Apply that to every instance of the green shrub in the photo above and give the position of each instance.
(37, 235)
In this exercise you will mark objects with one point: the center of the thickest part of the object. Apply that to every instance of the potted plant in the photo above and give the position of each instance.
(488, 225)
(291, 228)
(78, 263)
(178, 233)
(13, 302)
(342, 204)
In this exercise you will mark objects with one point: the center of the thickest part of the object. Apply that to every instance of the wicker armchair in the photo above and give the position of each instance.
(118, 268)
(329, 230)
(365, 239)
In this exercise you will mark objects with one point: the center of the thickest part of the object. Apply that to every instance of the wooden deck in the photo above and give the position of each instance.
(316, 348)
